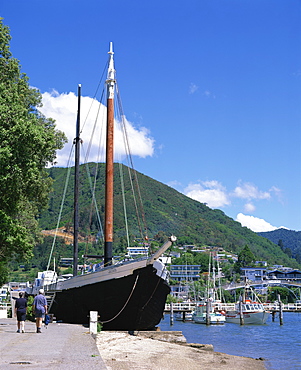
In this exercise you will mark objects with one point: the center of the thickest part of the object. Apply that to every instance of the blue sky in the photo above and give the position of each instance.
(211, 88)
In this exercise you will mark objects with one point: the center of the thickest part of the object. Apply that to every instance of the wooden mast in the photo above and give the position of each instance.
(109, 161)
(76, 183)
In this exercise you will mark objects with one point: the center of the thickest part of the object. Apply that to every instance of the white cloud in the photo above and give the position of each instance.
(215, 195)
(63, 108)
(249, 207)
(209, 94)
(254, 223)
(210, 192)
(278, 193)
(192, 88)
(249, 191)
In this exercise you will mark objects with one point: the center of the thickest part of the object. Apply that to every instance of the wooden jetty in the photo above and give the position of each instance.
(190, 306)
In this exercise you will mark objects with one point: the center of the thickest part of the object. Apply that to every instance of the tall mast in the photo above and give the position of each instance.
(76, 186)
(109, 161)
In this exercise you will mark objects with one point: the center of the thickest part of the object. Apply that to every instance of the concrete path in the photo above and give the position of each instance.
(59, 346)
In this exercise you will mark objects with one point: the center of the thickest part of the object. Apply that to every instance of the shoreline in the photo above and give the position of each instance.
(165, 350)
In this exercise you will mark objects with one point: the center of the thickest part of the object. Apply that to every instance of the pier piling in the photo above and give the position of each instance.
(273, 315)
(280, 310)
(241, 315)
(208, 312)
(171, 313)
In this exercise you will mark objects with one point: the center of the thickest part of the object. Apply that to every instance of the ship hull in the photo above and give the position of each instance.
(132, 302)
(214, 319)
(255, 318)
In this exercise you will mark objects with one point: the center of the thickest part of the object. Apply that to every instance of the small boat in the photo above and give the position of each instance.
(210, 315)
(184, 316)
(129, 295)
(247, 311)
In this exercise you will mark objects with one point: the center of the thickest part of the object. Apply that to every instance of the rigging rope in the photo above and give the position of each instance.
(124, 205)
(61, 208)
(134, 286)
(138, 204)
(92, 189)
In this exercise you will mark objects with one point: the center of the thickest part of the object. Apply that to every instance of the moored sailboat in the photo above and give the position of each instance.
(128, 296)
(207, 310)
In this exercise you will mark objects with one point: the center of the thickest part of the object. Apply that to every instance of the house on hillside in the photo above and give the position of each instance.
(188, 246)
(261, 263)
(253, 273)
(185, 272)
(133, 252)
(290, 275)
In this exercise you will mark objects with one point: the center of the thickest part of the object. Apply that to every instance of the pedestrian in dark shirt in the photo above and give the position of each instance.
(20, 312)
(40, 309)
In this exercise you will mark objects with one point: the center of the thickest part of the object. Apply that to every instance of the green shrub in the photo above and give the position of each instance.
(30, 314)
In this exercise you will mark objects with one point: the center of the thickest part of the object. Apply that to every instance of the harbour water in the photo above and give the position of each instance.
(279, 345)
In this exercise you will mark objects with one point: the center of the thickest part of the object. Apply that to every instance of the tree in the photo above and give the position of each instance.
(245, 258)
(28, 143)
(282, 291)
(280, 244)
(288, 251)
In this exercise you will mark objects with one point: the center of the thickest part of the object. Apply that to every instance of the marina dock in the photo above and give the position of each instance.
(189, 307)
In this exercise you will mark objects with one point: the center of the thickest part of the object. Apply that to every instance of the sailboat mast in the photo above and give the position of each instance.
(76, 187)
(109, 161)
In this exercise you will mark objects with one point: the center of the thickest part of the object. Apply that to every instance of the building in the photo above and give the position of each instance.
(180, 292)
(137, 251)
(175, 254)
(262, 263)
(66, 262)
(253, 273)
(286, 275)
(3, 292)
(188, 246)
(185, 272)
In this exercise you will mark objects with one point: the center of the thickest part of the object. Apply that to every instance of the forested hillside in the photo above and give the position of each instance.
(288, 240)
(167, 212)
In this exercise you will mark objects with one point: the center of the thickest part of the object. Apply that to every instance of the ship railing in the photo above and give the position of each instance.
(224, 306)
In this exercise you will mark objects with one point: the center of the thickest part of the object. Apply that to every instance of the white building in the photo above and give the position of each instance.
(253, 273)
(137, 251)
(185, 272)
(3, 292)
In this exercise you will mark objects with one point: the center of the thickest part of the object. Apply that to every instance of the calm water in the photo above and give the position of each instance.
(279, 345)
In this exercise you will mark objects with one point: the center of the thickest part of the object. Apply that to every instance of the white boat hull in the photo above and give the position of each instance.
(200, 314)
(215, 319)
(255, 318)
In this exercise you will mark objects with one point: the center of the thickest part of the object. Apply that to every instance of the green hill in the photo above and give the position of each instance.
(288, 240)
(167, 212)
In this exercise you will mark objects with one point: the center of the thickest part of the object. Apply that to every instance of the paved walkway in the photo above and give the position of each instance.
(59, 346)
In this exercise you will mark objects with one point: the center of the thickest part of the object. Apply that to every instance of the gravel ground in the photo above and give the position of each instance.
(121, 351)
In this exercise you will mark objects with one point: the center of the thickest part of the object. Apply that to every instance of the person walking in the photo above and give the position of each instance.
(40, 309)
(20, 312)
